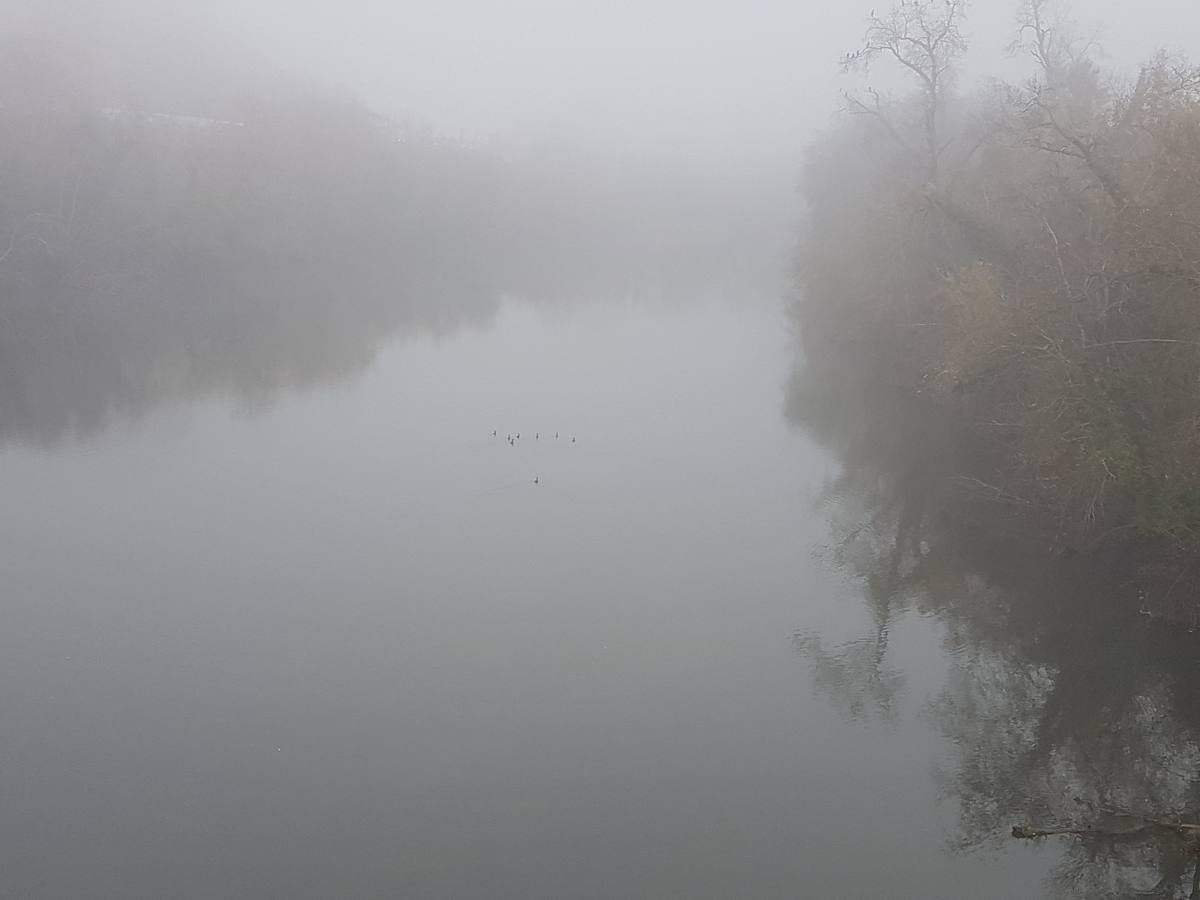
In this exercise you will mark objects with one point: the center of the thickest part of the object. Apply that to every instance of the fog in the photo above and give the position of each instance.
(712, 82)
(633, 449)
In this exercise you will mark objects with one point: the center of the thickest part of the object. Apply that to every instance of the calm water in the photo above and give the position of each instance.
(337, 642)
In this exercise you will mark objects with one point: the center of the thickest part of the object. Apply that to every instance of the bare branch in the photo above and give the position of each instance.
(876, 111)
(926, 39)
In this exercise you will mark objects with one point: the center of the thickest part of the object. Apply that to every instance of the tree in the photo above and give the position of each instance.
(1047, 289)
(1058, 106)
(926, 38)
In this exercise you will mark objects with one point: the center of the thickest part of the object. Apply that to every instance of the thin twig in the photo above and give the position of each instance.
(1145, 341)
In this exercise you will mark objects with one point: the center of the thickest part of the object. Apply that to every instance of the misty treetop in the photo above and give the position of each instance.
(1027, 255)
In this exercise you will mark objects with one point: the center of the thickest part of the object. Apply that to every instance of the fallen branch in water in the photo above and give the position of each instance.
(1188, 831)
(1185, 829)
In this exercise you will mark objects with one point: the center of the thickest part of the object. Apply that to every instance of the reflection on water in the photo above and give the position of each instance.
(1065, 708)
(349, 647)
(72, 364)
(74, 359)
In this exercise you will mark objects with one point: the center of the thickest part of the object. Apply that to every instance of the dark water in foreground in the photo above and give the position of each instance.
(345, 646)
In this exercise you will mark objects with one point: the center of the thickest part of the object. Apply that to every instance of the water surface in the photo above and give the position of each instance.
(339, 642)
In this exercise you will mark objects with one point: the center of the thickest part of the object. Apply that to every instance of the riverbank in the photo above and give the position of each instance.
(1034, 277)
(938, 480)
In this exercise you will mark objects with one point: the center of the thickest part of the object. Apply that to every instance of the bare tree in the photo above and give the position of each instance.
(926, 38)
(1043, 34)
(1058, 104)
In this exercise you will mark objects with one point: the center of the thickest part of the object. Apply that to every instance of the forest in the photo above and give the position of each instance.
(175, 238)
(1025, 258)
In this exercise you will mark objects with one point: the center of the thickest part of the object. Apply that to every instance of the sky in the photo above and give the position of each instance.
(720, 82)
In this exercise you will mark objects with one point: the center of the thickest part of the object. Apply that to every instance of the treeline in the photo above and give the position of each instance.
(1027, 256)
(243, 245)
(145, 256)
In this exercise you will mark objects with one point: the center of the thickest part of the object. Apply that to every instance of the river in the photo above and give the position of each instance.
(684, 637)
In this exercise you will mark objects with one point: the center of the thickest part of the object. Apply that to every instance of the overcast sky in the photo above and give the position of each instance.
(719, 80)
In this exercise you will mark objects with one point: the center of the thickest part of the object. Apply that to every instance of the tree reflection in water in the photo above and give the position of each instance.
(1063, 705)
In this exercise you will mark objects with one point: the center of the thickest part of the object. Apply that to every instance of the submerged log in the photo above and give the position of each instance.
(1187, 830)
(1129, 826)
